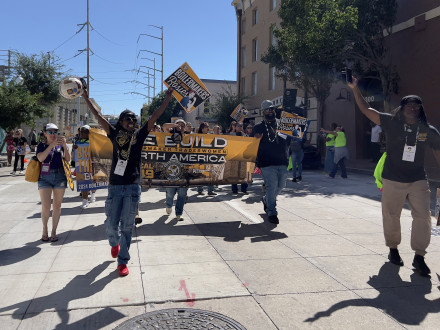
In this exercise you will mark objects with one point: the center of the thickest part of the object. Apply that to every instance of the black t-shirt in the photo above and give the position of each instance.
(397, 134)
(19, 145)
(273, 148)
(121, 141)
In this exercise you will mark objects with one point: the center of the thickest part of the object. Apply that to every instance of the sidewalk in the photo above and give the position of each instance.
(323, 267)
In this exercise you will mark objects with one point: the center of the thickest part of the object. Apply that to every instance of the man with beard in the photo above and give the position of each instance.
(271, 158)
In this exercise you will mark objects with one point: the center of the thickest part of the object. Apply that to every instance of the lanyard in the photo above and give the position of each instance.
(408, 130)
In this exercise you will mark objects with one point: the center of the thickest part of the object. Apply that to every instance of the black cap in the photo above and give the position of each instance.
(126, 113)
(411, 98)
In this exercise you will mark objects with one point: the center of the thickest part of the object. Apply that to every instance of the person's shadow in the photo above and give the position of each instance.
(404, 301)
(81, 286)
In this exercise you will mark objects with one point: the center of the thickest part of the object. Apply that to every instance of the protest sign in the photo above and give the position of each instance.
(239, 113)
(293, 125)
(189, 90)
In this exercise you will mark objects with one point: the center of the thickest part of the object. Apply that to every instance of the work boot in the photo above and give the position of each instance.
(420, 265)
(394, 257)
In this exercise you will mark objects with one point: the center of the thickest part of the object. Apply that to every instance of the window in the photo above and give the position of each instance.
(254, 16)
(243, 26)
(254, 83)
(272, 37)
(243, 86)
(273, 4)
(243, 57)
(254, 50)
(272, 78)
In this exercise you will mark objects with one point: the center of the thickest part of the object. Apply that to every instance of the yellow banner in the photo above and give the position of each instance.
(189, 90)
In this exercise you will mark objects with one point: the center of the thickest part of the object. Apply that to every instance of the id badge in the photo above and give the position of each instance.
(120, 167)
(409, 153)
(45, 168)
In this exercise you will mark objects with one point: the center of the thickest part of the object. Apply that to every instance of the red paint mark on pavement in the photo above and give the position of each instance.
(245, 285)
(125, 300)
(190, 298)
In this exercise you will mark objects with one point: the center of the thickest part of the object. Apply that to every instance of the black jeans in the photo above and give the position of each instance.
(16, 162)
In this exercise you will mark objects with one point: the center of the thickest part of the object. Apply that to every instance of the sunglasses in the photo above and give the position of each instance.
(52, 132)
(131, 119)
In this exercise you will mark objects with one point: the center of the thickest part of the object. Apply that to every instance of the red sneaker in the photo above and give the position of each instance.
(123, 270)
(115, 251)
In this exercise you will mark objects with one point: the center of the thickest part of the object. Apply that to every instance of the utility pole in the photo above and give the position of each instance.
(159, 54)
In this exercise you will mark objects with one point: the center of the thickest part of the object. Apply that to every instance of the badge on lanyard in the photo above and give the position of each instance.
(45, 168)
(409, 153)
(120, 167)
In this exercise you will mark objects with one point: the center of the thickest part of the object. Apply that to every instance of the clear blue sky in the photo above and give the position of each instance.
(200, 32)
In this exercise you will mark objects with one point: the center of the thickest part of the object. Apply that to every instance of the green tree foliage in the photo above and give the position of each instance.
(310, 41)
(173, 108)
(24, 103)
(224, 105)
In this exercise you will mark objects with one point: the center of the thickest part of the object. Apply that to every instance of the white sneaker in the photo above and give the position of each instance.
(92, 198)
(85, 204)
(13, 173)
(21, 172)
(169, 210)
(179, 218)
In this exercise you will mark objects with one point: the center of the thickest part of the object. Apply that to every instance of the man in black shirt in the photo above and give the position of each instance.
(408, 135)
(124, 188)
(271, 158)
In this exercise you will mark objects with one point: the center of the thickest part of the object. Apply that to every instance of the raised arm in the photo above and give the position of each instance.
(101, 120)
(159, 111)
(363, 105)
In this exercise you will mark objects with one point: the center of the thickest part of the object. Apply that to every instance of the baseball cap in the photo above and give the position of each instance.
(51, 126)
(411, 98)
(180, 121)
(85, 127)
(266, 104)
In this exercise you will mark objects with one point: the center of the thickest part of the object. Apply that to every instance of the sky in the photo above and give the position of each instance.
(202, 33)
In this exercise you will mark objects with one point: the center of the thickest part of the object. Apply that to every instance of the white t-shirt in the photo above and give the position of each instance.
(375, 133)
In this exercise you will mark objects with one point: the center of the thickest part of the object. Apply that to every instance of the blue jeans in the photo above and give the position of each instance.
(275, 180)
(297, 158)
(121, 208)
(210, 189)
(181, 197)
(340, 164)
(329, 156)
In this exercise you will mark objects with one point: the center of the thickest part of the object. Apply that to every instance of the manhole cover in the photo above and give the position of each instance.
(180, 318)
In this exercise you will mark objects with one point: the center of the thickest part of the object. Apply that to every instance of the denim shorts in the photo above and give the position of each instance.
(56, 179)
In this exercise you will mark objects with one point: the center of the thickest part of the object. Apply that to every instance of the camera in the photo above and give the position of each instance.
(346, 75)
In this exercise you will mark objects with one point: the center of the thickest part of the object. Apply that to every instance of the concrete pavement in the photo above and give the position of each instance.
(323, 267)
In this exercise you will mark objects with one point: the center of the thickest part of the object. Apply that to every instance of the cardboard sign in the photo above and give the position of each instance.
(68, 173)
(239, 113)
(84, 170)
(189, 90)
(293, 125)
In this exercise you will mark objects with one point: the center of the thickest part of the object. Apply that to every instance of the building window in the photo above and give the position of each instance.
(243, 86)
(243, 57)
(254, 16)
(272, 37)
(243, 26)
(254, 50)
(272, 78)
(254, 83)
(273, 4)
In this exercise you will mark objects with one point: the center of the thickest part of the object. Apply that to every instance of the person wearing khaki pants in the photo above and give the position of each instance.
(408, 135)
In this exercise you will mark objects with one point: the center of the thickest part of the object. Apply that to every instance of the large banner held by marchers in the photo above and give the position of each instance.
(198, 159)
(189, 90)
(293, 125)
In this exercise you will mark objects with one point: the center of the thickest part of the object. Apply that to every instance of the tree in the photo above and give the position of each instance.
(310, 42)
(26, 102)
(224, 105)
(172, 109)
(367, 45)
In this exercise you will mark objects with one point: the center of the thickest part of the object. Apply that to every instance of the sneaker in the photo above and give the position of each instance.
(123, 270)
(200, 193)
(211, 193)
(235, 193)
(394, 257)
(299, 178)
(179, 218)
(21, 172)
(273, 219)
(420, 265)
(168, 210)
(115, 251)
(12, 173)
(294, 180)
(92, 198)
(264, 204)
(85, 204)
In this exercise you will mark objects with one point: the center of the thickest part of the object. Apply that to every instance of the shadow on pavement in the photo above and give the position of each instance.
(393, 298)
(80, 287)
